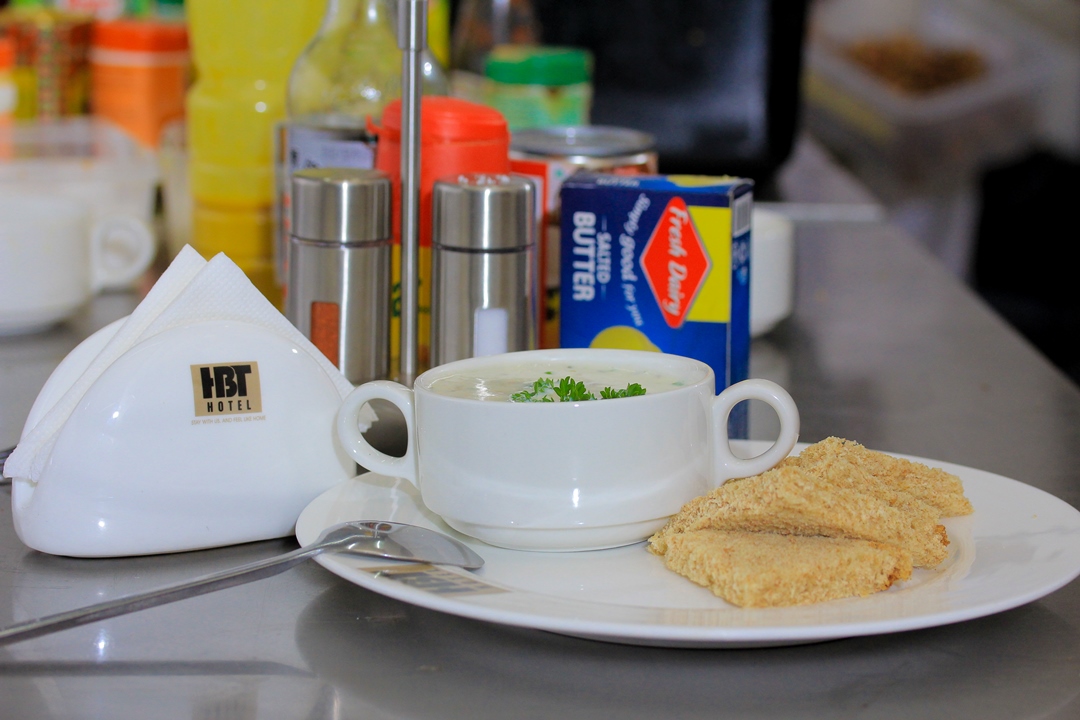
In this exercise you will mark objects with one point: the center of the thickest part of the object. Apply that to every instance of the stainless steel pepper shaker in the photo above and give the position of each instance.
(338, 292)
(484, 266)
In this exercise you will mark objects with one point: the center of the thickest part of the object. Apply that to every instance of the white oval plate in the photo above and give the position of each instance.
(1027, 543)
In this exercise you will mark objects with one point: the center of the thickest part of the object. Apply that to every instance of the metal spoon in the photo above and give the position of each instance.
(378, 538)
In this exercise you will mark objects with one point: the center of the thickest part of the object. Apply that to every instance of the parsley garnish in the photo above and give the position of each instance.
(629, 391)
(542, 391)
(570, 390)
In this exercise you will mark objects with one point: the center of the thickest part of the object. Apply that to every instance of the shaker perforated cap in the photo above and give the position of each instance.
(484, 212)
(343, 205)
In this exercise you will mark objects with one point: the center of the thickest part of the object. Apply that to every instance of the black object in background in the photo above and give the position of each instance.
(1027, 252)
(716, 81)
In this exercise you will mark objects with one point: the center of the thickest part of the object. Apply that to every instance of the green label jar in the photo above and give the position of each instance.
(538, 86)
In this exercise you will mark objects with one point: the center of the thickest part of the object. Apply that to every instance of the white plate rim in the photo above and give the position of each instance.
(312, 521)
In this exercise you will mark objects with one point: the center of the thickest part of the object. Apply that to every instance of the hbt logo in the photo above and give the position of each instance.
(226, 389)
(675, 262)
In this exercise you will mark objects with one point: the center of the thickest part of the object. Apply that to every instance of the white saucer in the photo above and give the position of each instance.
(1028, 546)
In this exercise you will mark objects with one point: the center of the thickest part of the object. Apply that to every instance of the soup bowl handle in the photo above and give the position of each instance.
(352, 438)
(726, 465)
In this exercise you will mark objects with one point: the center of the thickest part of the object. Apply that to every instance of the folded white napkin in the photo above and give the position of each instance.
(191, 290)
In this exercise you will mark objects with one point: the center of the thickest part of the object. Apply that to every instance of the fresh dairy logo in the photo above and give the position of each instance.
(675, 262)
(226, 389)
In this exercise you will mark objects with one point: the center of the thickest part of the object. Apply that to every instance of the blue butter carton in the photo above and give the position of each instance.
(658, 263)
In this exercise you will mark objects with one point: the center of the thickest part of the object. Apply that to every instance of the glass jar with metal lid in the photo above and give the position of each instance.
(550, 155)
(537, 86)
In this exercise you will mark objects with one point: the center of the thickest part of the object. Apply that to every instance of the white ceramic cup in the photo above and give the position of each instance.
(772, 270)
(570, 475)
(54, 257)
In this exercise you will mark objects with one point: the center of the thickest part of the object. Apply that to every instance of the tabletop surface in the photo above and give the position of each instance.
(885, 347)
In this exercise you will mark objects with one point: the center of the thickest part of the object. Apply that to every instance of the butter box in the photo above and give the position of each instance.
(660, 263)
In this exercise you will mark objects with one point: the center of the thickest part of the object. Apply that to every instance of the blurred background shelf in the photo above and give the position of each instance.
(982, 172)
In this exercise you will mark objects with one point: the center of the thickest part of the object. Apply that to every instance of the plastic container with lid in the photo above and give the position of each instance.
(926, 139)
(138, 75)
(538, 86)
(456, 136)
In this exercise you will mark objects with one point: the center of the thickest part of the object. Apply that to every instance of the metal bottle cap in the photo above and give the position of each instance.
(341, 205)
(483, 212)
(586, 141)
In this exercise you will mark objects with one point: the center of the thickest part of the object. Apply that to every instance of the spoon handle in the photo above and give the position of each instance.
(161, 596)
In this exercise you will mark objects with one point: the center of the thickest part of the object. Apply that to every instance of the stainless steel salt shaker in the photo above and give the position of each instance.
(484, 266)
(338, 291)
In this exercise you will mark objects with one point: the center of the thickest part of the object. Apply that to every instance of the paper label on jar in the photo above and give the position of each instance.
(310, 147)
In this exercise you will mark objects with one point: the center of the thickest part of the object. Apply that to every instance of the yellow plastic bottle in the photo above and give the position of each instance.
(243, 51)
(439, 30)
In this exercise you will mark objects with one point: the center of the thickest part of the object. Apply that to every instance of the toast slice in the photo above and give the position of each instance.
(790, 501)
(842, 460)
(770, 570)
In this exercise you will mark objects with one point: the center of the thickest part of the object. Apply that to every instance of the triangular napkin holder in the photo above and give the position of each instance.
(206, 434)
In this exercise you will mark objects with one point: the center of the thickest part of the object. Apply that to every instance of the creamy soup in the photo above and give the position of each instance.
(500, 382)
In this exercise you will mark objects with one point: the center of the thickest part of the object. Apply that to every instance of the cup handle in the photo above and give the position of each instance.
(121, 249)
(725, 465)
(348, 429)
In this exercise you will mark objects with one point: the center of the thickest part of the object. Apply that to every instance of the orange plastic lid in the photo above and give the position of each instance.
(141, 35)
(7, 52)
(448, 119)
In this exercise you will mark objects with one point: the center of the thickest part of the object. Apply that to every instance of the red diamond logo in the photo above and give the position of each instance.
(674, 262)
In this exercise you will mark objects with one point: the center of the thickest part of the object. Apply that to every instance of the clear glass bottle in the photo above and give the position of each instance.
(352, 68)
(479, 26)
(340, 83)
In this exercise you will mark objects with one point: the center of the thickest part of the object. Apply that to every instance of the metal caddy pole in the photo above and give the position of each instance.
(412, 39)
